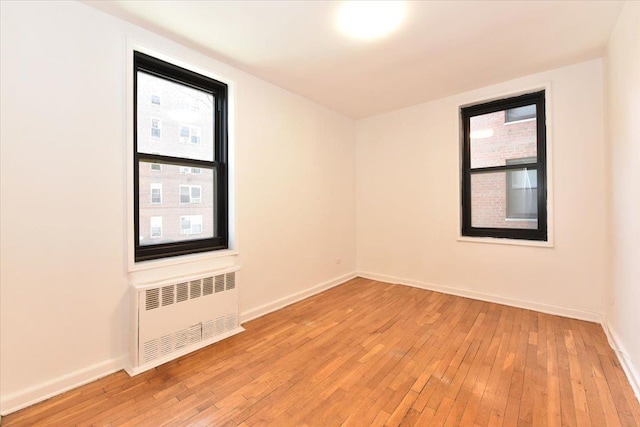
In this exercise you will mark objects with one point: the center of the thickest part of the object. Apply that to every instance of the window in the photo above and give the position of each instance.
(156, 227)
(191, 224)
(504, 191)
(522, 191)
(190, 194)
(189, 106)
(156, 194)
(195, 214)
(519, 113)
(156, 127)
(155, 99)
(189, 170)
(189, 134)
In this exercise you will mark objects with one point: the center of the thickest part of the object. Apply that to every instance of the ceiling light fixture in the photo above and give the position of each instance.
(370, 19)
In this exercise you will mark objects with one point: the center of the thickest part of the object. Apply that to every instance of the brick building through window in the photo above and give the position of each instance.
(495, 142)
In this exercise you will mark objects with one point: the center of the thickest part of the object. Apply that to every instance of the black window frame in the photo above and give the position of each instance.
(165, 70)
(541, 232)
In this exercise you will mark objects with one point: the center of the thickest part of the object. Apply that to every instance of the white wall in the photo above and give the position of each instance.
(64, 298)
(622, 80)
(408, 186)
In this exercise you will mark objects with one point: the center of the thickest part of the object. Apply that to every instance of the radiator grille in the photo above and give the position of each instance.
(207, 286)
(188, 290)
(167, 295)
(194, 334)
(150, 350)
(196, 288)
(219, 283)
(183, 292)
(208, 329)
(220, 325)
(231, 281)
(166, 344)
(152, 298)
(182, 338)
(231, 321)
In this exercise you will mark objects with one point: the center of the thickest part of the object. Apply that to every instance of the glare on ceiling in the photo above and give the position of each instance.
(370, 19)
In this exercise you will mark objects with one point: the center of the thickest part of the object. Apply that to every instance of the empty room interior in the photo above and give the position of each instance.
(320, 213)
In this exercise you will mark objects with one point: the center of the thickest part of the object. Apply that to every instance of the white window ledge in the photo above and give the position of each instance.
(500, 241)
(183, 259)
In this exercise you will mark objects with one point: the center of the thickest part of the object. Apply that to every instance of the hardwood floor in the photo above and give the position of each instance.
(368, 353)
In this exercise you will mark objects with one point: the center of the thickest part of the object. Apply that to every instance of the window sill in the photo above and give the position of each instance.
(515, 242)
(183, 259)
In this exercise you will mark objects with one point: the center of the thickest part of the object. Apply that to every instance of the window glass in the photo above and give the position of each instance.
(494, 202)
(197, 198)
(156, 193)
(156, 227)
(191, 225)
(188, 131)
(520, 113)
(155, 128)
(493, 142)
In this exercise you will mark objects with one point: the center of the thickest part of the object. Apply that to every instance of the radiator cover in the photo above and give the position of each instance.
(175, 317)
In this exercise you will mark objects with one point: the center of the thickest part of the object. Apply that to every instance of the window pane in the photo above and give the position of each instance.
(522, 194)
(191, 225)
(504, 199)
(184, 194)
(494, 140)
(182, 126)
(156, 226)
(520, 113)
(156, 193)
(186, 204)
(195, 194)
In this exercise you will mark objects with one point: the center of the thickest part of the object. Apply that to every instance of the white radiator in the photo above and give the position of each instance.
(182, 315)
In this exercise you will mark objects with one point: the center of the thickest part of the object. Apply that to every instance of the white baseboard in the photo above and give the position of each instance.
(467, 293)
(31, 395)
(290, 299)
(625, 361)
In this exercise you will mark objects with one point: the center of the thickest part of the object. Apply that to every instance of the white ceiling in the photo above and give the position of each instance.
(443, 48)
